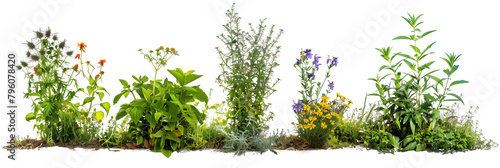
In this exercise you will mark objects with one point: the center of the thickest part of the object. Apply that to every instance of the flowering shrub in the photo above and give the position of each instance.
(162, 110)
(52, 86)
(317, 119)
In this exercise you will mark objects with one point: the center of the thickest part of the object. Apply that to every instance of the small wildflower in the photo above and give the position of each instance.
(350, 101)
(35, 69)
(299, 126)
(347, 105)
(121, 129)
(77, 56)
(323, 125)
(330, 85)
(324, 98)
(82, 46)
(75, 67)
(306, 120)
(172, 49)
(55, 123)
(101, 62)
(31, 75)
(308, 53)
(338, 94)
(316, 61)
(124, 120)
(293, 123)
(303, 113)
(297, 107)
(307, 107)
(161, 48)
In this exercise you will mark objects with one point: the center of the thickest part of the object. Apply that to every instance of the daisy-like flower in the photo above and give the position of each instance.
(307, 107)
(323, 125)
(300, 126)
(82, 46)
(121, 129)
(324, 98)
(101, 62)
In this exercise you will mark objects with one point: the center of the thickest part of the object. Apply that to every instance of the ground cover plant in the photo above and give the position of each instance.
(53, 87)
(412, 100)
(161, 111)
(247, 64)
(317, 119)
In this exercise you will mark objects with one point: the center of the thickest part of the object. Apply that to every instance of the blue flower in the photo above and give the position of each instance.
(311, 75)
(308, 53)
(330, 85)
(335, 61)
(298, 61)
(316, 61)
(297, 107)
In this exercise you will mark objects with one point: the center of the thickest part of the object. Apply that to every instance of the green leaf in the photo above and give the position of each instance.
(421, 147)
(87, 100)
(201, 95)
(90, 89)
(30, 116)
(103, 89)
(412, 125)
(121, 113)
(166, 153)
(146, 93)
(172, 136)
(124, 83)
(401, 38)
(179, 76)
(160, 133)
(101, 95)
(427, 33)
(136, 114)
(415, 48)
(158, 115)
(458, 82)
(151, 120)
(407, 140)
(106, 106)
(117, 98)
(99, 115)
(456, 96)
(410, 146)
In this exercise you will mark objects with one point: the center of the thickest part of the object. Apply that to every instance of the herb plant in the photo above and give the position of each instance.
(247, 68)
(162, 110)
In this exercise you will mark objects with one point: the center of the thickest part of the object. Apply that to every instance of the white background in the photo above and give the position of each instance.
(350, 30)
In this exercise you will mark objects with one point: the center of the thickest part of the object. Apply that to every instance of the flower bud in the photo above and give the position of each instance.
(47, 33)
(35, 57)
(88, 62)
(19, 67)
(24, 64)
(31, 75)
(28, 54)
(31, 45)
(35, 69)
(75, 67)
(54, 38)
(62, 44)
(102, 72)
(97, 76)
(42, 52)
(65, 69)
(39, 34)
(69, 53)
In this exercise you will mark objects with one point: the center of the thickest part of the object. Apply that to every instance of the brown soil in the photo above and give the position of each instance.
(35, 143)
(294, 142)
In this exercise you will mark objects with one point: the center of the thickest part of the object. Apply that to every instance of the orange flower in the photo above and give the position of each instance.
(75, 67)
(303, 113)
(82, 46)
(300, 126)
(35, 68)
(101, 62)
(88, 62)
(102, 72)
(97, 76)
(77, 56)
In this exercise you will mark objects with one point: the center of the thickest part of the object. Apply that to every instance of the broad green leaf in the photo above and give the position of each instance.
(151, 120)
(411, 146)
(179, 76)
(201, 95)
(30, 116)
(87, 100)
(158, 115)
(140, 140)
(160, 133)
(136, 114)
(407, 140)
(421, 147)
(190, 78)
(99, 115)
(124, 83)
(90, 89)
(103, 89)
(171, 136)
(121, 113)
(117, 98)
(106, 106)
(101, 95)
(173, 145)
(166, 153)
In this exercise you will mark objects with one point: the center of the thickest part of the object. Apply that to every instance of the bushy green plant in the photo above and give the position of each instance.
(211, 133)
(240, 142)
(247, 67)
(412, 100)
(162, 110)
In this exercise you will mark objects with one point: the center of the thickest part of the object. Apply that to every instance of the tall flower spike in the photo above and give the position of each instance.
(316, 61)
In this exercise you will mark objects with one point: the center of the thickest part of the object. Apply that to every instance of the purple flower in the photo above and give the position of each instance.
(316, 61)
(298, 61)
(308, 53)
(330, 85)
(335, 61)
(297, 107)
(311, 75)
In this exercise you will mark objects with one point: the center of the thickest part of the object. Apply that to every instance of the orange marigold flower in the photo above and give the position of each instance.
(300, 126)
(77, 56)
(172, 49)
(303, 113)
(161, 48)
(101, 62)
(82, 46)
(306, 120)
(75, 67)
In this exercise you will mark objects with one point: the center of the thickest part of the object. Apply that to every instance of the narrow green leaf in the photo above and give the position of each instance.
(401, 38)
(458, 82)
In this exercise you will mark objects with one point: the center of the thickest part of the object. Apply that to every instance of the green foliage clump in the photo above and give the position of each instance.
(163, 110)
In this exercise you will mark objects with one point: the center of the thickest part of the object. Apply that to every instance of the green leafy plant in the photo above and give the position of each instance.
(247, 68)
(412, 100)
(162, 110)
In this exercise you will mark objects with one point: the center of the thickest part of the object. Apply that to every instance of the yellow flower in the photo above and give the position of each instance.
(124, 120)
(328, 116)
(350, 101)
(307, 126)
(306, 120)
(323, 125)
(342, 98)
(332, 122)
(311, 118)
(307, 107)
(172, 49)
(161, 48)
(347, 105)
(344, 120)
(82, 116)
(255, 111)
(249, 105)
(323, 104)
(300, 126)
(338, 94)
(55, 123)
(293, 123)
(303, 113)
(325, 99)
(313, 126)
(332, 130)
(121, 129)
